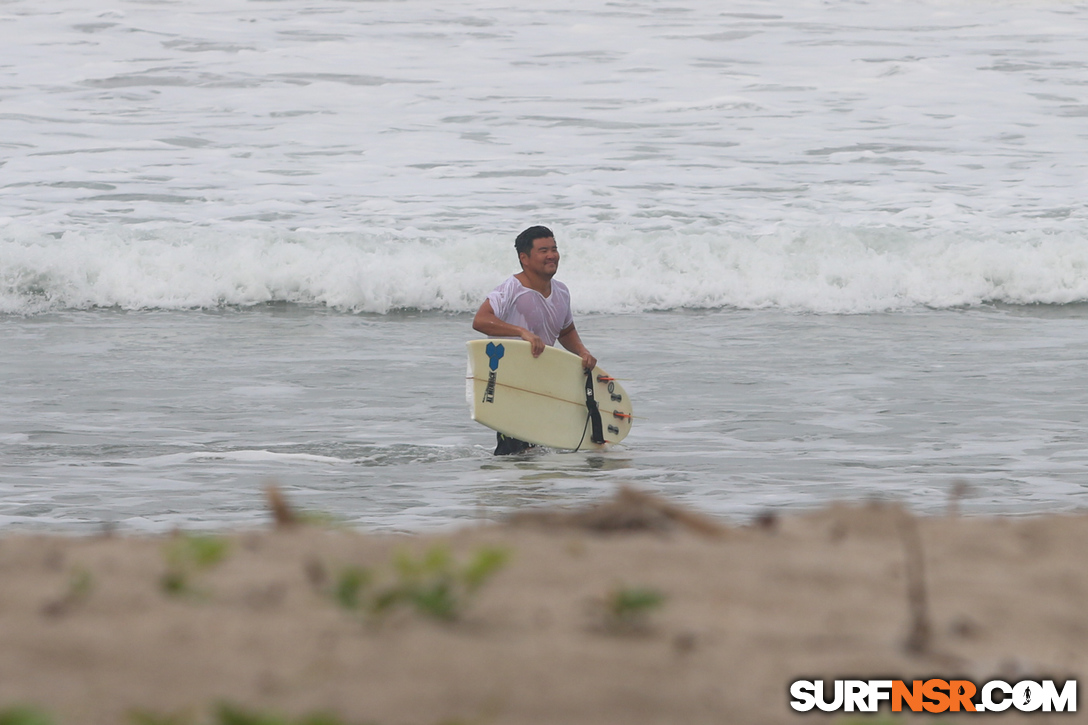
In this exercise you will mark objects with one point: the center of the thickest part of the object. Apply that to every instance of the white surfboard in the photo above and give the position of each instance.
(542, 400)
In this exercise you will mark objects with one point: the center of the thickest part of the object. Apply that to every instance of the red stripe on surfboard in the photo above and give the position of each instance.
(582, 404)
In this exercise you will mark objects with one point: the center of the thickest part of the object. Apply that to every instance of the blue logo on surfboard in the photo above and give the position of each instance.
(495, 353)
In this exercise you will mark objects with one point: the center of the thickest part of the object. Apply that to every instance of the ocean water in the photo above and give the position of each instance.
(835, 250)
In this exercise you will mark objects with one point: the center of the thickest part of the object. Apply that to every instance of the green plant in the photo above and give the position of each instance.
(141, 717)
(350, 586)
(228, 714)
(485, 564)
(187, 554)
(198, 550)
(434, 584)
(175, 582)
(20, 715)
(628, 602)
(627, 608)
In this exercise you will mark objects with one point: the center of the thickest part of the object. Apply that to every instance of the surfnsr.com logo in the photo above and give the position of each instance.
(934, 695)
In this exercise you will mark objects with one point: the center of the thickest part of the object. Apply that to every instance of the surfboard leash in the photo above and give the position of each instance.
(594, 411)
(583, 438)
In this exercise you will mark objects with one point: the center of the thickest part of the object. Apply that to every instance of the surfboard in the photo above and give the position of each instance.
(543, 400)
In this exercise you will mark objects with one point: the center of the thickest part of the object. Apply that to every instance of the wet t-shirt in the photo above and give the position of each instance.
(515, 303)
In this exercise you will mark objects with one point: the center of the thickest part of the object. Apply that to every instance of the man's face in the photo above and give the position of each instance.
(543, 259)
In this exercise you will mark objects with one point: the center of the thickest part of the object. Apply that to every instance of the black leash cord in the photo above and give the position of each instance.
(583, 438)
(594, 411)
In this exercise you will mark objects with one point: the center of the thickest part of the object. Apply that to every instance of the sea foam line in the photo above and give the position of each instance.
(610, 270)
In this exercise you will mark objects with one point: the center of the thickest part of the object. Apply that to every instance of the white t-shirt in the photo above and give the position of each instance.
(515, 303)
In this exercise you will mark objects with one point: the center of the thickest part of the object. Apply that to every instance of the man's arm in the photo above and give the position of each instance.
(569, 339)
(487, 322)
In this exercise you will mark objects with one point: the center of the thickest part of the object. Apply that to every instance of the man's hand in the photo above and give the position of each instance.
(534, 341)
(588, 361)
(488, 323)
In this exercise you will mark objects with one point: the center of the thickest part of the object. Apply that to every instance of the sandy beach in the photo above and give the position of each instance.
(633, 611)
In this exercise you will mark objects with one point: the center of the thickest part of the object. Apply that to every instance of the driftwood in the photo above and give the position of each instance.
(629, 510)
(282, 513)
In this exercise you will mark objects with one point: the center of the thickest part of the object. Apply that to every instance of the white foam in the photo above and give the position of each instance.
(13, 438)
(376, 156)
(240, 456)
(825, 269)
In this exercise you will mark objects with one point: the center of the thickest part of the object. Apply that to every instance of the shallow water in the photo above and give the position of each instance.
(836, 250)
(151, 420)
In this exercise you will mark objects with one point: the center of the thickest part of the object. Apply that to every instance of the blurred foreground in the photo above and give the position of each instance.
(633, 611)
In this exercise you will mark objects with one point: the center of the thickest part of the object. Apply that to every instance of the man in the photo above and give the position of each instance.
(533, 306)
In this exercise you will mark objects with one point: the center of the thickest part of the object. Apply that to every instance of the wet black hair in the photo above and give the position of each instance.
(524, 243)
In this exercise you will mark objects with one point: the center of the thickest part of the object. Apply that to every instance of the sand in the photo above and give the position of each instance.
(91, 634)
